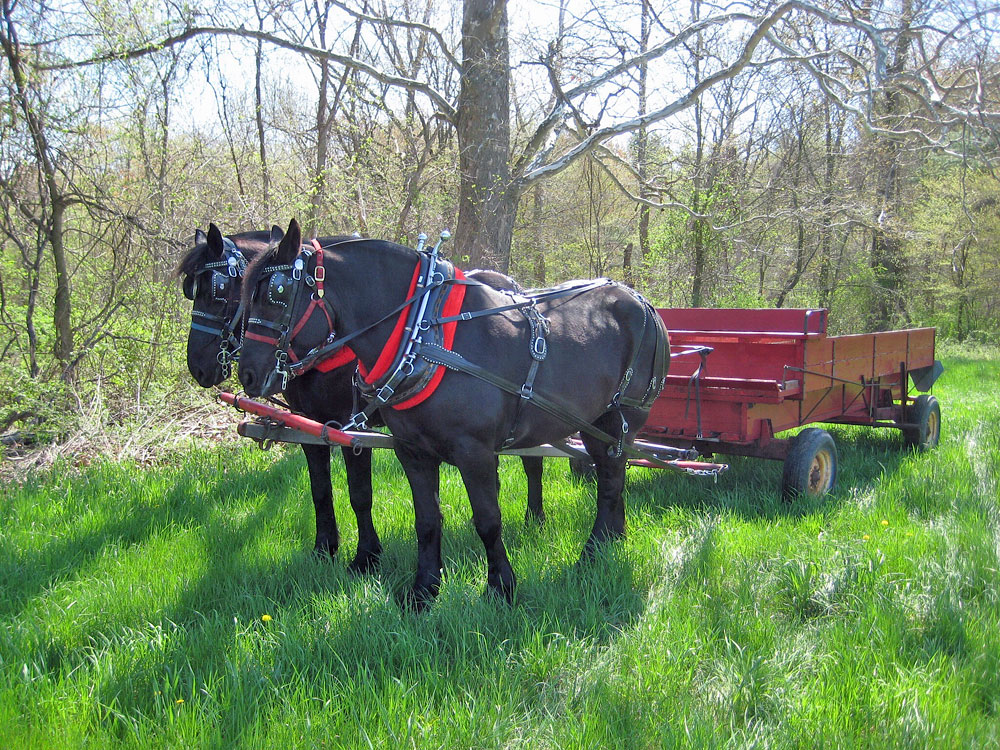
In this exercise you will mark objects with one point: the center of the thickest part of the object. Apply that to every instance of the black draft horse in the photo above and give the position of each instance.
(605, 358)
(322, 396)
(213, 341)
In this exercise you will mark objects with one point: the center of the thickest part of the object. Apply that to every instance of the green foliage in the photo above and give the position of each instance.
(38, 410)
(956, 251)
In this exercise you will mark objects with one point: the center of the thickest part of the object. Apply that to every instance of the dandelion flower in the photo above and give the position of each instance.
(866, 537)
(885, 522)
(179, 701)
(265, 618)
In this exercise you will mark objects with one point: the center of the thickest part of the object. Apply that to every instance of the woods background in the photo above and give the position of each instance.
(833, 154)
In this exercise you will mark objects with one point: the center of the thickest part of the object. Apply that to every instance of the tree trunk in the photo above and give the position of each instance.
(538, 216)
(259, 117)
(53, 194)
(62, 308)
(887, 261)
(487, 201)
(698, 224)
(322, 149)
(642, 155)
(826, 232)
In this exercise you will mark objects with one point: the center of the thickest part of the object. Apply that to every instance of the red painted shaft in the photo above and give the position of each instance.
(287, 419)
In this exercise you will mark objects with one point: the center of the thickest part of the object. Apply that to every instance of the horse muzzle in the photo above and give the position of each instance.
(259, 385)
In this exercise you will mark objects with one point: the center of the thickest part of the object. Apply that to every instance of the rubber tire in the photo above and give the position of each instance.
(811, 465)
(925, 412)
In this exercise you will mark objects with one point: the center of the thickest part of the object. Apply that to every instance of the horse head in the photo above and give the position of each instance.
(211, 275)
(290, 314)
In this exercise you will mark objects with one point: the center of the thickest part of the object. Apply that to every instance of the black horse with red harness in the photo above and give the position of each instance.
(460, 370)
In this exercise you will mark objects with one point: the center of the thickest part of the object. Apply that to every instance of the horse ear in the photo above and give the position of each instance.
(290, 244)
(276, 235)
(214, 241)
(199, 237)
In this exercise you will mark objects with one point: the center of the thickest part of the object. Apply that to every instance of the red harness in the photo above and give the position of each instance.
(451, 307)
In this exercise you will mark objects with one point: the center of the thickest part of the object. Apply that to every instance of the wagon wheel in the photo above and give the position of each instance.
(811, 465)
(925, 413)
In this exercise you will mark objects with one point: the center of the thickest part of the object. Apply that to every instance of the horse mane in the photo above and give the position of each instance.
(251, 244)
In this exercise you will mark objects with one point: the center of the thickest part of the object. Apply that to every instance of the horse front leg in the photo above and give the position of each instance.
(359, 486)
(533, 473)
(327, 535)
(422, 472)
(610, 521)
(479, 472)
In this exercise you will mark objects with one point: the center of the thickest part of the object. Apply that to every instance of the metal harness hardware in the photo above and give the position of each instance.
(391, 388)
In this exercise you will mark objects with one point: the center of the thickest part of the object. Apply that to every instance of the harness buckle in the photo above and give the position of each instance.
(539, 349)
(384, 393)
(320, 273)
(527, 391)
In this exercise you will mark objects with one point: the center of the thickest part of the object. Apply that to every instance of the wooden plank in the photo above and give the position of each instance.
(786, 320)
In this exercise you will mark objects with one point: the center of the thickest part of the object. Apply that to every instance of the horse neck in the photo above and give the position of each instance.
(367, 285)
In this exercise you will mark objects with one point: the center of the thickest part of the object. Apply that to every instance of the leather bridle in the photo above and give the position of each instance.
(224, 273)
(287, 331)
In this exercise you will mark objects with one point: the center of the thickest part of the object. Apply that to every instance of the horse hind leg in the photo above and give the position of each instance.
(609, 523)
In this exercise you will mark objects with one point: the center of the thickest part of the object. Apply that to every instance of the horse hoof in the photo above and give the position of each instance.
(364, 563)
(503, 594)
(416, 601)
(535, 519)
(324, 551)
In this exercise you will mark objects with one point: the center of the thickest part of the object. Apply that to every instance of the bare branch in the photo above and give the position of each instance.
(446, 108)
(415, 25)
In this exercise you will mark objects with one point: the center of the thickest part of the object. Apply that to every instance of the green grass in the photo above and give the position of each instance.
(132, 603)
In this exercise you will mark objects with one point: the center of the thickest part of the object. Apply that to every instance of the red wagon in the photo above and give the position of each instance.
(776, 369)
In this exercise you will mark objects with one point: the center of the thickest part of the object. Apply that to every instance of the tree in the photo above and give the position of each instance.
(46, 210)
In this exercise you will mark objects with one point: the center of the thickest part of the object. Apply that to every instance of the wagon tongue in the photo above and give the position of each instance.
(279, 425)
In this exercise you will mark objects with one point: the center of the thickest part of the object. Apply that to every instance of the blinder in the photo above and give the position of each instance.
(279, 289)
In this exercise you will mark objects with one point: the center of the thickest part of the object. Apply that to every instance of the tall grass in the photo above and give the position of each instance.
(180, 606)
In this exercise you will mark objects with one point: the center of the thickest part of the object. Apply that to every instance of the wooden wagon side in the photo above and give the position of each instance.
(777, 369)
